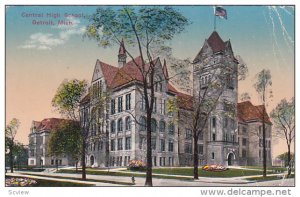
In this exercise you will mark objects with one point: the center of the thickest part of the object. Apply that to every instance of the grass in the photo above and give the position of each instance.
(173, 171)
(268, 168)
(203, 173)
(51, 183)
(92, 180)
(97, 172)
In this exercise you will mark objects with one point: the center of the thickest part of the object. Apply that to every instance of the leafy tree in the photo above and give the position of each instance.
(66, 140)
(263, 86)
(287, 158)
(10, 134)
(146, 29)
(283, 117)
(66, 101)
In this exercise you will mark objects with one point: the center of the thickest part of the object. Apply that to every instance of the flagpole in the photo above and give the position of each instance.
(214, 22)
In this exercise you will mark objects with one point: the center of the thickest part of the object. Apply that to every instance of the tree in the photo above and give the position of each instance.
(287, 158)
(10, 134)
(67, 101)
(146, 29)
(66, 140)
(283, 117)
(263, 88)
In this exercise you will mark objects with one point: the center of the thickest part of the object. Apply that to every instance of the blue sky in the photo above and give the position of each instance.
(39, 58)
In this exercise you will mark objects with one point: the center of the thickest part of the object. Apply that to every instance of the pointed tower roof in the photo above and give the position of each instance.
(165, 70)
(216, 42)
(122, 49)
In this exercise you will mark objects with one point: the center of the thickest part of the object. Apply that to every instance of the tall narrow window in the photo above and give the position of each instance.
(120, 104)
(120, 144)
(143, 124)
(112, 145)
(214, 122)
(128, 123)
(128, 101)
(162, 145)
(213, 137)
(112, 106)
(143, 104)
(153, 143)
(162, 126)
(171, 128)
(112, 126)
(120, 125)
(153, 125)
(154, 105)
(213, 155)
(171, 146)
(128, 143)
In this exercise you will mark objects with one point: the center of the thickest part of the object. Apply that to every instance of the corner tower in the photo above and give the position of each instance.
(220, 135)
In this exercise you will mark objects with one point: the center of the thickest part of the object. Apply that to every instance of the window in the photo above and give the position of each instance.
(229, 81)
(112, 145)
(162, 126)
(112, 126)
(188, 134)
(128, 101)
(142, 143)
(120, 125)
(200, 136)
(162, 145)
(120, 104)
(213, 137)
(153, 125)
(143, 124)
(260, 130)
(225, 122)
(188, 148)
(52, 162)
(171, 128)
(120, 144)
(112, 106)
(212, 155)
(153, 143)
(244, 130)
(154, 105)
(244, 142)
(244, 153)
(171, 146)
(143, 104)
(128, 123)
(127, 143)
(200, 149)
(100, 145)
(214, 122)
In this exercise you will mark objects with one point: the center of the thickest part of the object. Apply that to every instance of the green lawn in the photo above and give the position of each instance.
(51, 183)
(174, 171)
(268, 168)
(203, 173)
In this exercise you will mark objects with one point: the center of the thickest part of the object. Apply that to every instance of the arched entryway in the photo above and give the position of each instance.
(230, 159)
(92, 160)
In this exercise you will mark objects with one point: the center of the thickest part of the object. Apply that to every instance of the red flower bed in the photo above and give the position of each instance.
(214, 168)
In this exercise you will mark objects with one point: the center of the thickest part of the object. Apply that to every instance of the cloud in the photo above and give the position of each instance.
(48, 41)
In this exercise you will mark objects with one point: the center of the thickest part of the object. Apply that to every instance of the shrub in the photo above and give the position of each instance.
(136, 165)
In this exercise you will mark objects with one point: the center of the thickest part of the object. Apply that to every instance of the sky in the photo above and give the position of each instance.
(39, 57)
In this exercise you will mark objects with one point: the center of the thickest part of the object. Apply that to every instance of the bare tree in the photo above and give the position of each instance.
(283, 117)
(10, 134)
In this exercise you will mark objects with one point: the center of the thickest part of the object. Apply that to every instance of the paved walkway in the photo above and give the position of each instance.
(140, 181)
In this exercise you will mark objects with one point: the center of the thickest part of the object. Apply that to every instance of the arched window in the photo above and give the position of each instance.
(112, 126)
(171, 128)
(143, 123)
(120, 125)
(128, 123)
(153, 125)
(162, 126)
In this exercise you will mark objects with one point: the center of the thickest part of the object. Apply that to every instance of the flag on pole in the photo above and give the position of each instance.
(221, 12)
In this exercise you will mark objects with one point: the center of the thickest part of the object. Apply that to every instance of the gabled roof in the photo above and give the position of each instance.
(247, 112)
(109, 72)
(47, 124)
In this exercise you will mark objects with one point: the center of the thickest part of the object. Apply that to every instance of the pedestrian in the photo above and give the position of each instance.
(133, 180)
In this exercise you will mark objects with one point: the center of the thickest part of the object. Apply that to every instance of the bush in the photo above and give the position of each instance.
(136, 165)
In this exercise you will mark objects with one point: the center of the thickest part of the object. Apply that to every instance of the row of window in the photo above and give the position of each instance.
(188, 148)
(119, 125)
(162, 105)
(120, 104)
(189, 135)
(162, 125)
(117, 161)
(96, 145)
(268, 143)
(120, 144)
(96, 89)
(143, 144)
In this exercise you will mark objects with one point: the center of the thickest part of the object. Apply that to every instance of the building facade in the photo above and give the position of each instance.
(38, 144)
(117, 133)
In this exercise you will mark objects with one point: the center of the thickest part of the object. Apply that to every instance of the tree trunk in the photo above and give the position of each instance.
(196, 159)
(83, 164)
(264, 148)
(149, 154)
(76, 165)
(289, 161)
(11, 159)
